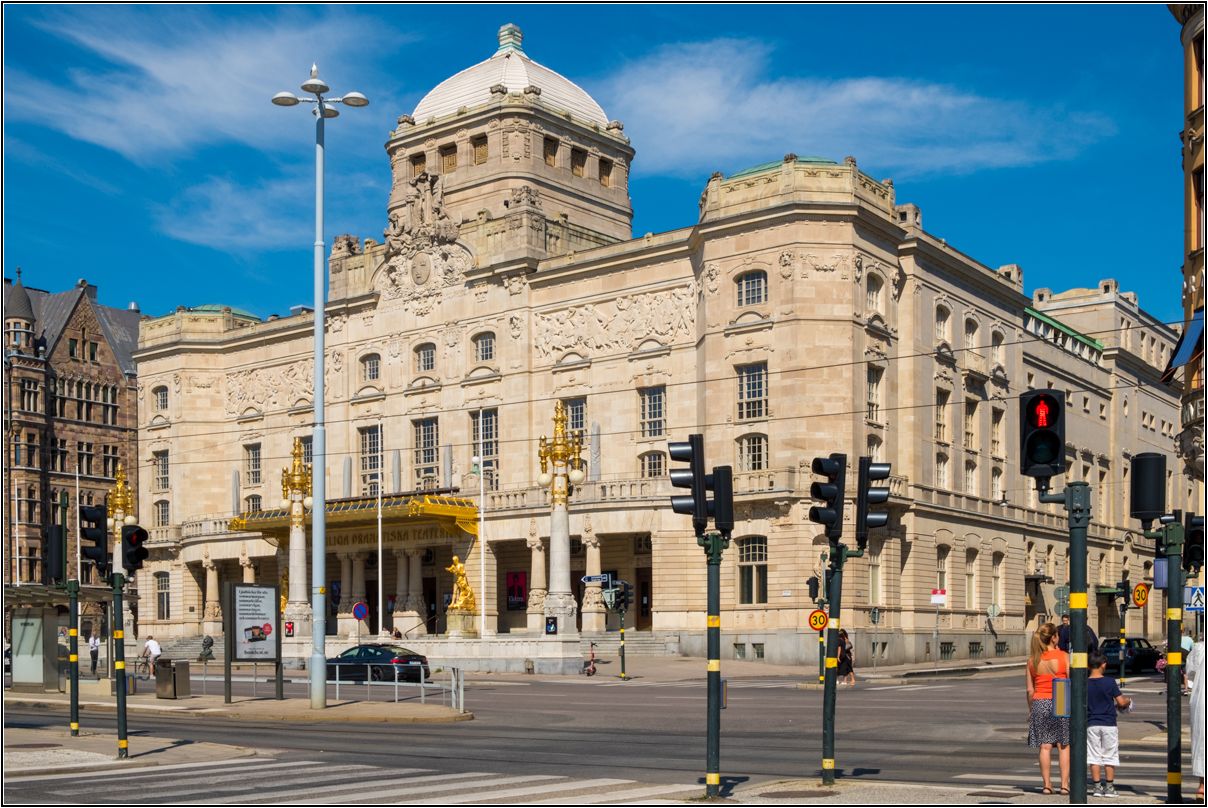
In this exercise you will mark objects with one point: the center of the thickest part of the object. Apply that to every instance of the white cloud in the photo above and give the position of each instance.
(698, 107)
(179, 78)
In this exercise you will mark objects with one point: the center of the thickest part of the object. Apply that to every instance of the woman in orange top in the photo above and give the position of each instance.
(1045, 663)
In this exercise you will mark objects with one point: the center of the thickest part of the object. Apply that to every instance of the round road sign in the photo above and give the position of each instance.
(818, 620)
(360, 610)
(1140, 595)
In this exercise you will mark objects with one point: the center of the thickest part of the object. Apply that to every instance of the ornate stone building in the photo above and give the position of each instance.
(806, 311)
(70, 393)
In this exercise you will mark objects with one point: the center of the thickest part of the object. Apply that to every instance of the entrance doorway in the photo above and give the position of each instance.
(644, 608)
(430, 605)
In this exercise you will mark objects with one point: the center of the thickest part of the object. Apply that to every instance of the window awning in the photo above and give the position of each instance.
(1191, 342)
(452, 514)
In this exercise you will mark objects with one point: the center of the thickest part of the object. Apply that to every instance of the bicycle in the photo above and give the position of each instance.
(142, 667)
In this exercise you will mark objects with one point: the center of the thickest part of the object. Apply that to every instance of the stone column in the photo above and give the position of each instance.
(358, 628)
(593, 599)
(248, 567)
(344, 619)
(560, 600)
(212, 620)
(536, 589)
(417, 610)
(297, 607)
(401, 588)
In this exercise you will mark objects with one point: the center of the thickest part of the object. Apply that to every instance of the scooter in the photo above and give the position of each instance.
(589, 665)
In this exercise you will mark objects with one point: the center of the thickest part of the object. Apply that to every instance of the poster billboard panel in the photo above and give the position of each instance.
(253, 623)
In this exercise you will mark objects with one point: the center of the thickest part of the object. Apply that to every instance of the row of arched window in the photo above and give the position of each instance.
(424, 357)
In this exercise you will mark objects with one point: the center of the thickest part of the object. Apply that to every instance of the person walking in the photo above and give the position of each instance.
(847, 660)
(1045, 729)
(1195, 672)
(94, 649)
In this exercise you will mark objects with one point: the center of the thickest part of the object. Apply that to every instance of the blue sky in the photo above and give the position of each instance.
(141, 151)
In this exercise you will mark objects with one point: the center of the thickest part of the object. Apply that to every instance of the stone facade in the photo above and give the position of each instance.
(71, 396)
(805, 312)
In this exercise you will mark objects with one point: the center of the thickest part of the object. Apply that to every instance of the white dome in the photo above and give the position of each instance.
(513, 69)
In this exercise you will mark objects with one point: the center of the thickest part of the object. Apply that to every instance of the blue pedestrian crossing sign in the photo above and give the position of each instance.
(1194, 598)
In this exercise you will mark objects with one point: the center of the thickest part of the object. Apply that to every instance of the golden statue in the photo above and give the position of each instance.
(463, 595)
(284, 590)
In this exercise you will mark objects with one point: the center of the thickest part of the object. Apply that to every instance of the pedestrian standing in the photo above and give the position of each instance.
(1103, 700)
(1046, 729)
(847, 660)
(94, 649)
(1195, 672)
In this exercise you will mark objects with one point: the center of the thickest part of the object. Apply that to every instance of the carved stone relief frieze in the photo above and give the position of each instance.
(417, 281)
(420, 221)
(788, 264)
(617, 325)
(824, 264)
(279, 387)
(516, 283)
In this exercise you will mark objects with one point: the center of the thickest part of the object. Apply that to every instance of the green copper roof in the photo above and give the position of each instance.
(762, 167)
(1065, 329)
(219, 308)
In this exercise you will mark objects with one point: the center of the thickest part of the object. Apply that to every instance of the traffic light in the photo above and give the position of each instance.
(54, 555)
(134, 550)
(813, 584)
(867, 495)
(610, 599)
(834, 468)
(94, 538)
(1147, 492)
(1193, 544)
(697, 504)
(723, 500)
(625, 601)
(1042, 433)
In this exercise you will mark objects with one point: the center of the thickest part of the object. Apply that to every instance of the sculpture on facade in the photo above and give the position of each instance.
(463, 595)
(421, 221)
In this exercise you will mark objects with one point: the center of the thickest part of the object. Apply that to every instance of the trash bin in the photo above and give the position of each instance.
(171, 679)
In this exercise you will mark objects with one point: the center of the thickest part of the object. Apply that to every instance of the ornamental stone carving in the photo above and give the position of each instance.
(417, 280)
(618, 325)
(835, 262)
(420, 222)
(279, 387)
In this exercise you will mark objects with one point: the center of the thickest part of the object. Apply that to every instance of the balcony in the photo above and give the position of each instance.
(209, 525)
(169, 534)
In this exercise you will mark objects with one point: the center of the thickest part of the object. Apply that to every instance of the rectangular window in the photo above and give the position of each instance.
(448, 159)
(159, 461)
(752, 453)
(971, 478)
(970, 423)
(484, 436)
(753, 289)
(605, 172)
(163, 596)
(996, 490)
(752, 391)
(371, 460)
(425, 358)
(550, 150)
(753, 570)
(874, 393)
(576, 413)
(427, 454)
(652, 401)
(308, 449)
(58, 459)
(109, 461)
(578, 162)
(373, 367)
(941, 471)
(996, 436)
(251, 464)
(29, 395)
(941, 415)
(162, 516)
(84, 457)
(419, 164)
(971, 580)
(480, 149)
(484, 347)
(73, 348)
(941, 568)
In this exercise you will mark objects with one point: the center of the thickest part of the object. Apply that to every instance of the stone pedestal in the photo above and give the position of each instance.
(461, 625)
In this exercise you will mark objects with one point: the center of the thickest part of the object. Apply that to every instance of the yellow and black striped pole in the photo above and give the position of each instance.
(622, 616)
(1173, 540)
(73, 651)
(714, 544)
(119, 665)
(834, 596)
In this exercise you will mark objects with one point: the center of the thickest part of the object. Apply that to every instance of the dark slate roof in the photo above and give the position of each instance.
(52, 310)
(17, 303)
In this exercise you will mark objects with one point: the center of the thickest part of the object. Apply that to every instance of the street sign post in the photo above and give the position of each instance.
(939, 598)
(595, 579)
(818, 620)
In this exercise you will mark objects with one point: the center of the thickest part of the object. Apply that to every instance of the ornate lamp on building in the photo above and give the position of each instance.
(296, 500)
(565, 457)
(121, 512)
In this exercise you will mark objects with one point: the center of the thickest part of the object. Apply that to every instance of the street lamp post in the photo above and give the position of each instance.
(318, 657)
(563, 455)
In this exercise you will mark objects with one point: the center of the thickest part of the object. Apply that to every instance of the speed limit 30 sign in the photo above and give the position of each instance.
(818, 620)
(1140, 595)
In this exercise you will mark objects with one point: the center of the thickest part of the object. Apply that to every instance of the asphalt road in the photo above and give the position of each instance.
(966, 731)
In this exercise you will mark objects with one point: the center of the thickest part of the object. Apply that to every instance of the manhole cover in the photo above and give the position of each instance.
(993, 794)
(797, 795)
(32, 745)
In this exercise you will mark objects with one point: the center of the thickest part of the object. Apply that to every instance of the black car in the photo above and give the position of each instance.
(1139, 655)
(378, 661)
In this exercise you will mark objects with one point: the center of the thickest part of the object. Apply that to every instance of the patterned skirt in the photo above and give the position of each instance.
(1044, 727)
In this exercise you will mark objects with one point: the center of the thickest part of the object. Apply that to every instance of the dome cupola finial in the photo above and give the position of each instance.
(510, 37)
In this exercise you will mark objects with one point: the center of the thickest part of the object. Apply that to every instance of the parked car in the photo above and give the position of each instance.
(379, 661)
(1139, 654)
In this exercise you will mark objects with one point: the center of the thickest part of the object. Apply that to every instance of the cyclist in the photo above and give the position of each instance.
(151, 652)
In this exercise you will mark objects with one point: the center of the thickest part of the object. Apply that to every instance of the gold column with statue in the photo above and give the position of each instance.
(296, 617)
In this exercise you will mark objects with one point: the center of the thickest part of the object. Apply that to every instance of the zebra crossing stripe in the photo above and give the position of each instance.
(239, 782)
(477, 786)
(126, 770)
(376, 792)
(615, 796)
(288, 793)
(119, 783)
(524, 791)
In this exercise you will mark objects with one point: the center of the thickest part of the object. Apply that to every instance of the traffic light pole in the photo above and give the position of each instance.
(73, 651)
(1077, 500)
(1172, 537)
(834, 590)
(1123, 627)
(621, 614)
(713, 544)
(119, 665)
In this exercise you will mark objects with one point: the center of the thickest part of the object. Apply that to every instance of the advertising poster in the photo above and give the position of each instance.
(254, 623)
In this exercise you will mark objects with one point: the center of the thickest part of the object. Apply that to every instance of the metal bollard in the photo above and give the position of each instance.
(368, 682)
(337, 682)
(395, 683)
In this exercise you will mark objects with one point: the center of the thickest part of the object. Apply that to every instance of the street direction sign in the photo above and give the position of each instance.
(818, 620)
(360, 610)
(1140, 595)
(1194, 598)
(594, 579)
(939, 597)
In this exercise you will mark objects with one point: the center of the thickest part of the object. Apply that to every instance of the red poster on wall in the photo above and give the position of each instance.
(517, 584)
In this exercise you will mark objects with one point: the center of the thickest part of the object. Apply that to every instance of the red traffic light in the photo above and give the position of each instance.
(1043, 412)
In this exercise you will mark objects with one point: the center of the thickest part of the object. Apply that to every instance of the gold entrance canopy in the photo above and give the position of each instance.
(451, 514)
